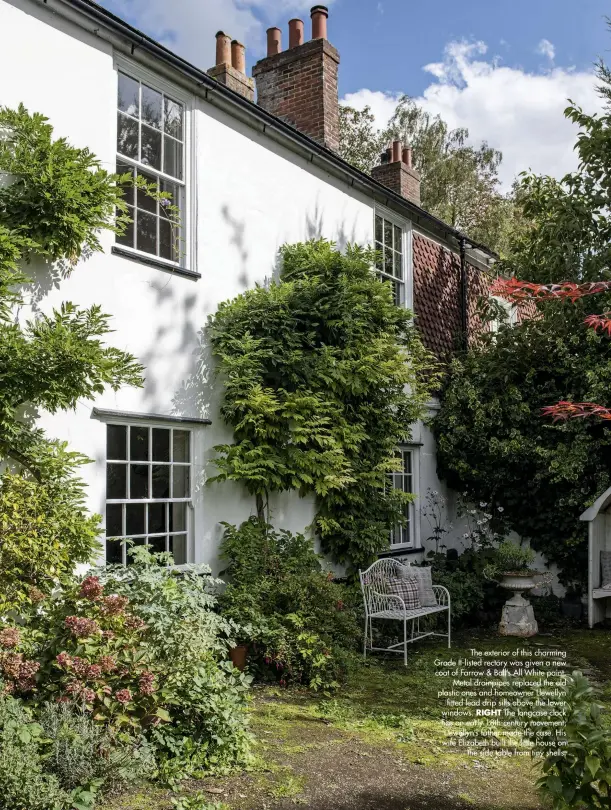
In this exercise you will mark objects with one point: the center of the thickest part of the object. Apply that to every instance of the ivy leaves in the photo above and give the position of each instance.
(322, 377)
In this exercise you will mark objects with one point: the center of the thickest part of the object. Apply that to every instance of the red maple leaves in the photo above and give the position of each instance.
(516, 292)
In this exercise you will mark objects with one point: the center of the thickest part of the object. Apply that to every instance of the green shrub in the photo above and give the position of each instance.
(510, 558)
(81, 752)
(143, 652)
(24, 784)
(45, 531)
(302, 622)
(581, 775)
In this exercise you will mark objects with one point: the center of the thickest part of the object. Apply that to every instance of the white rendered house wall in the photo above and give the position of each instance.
(247, 196)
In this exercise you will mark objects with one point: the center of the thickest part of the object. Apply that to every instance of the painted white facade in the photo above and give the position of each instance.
(247, 195)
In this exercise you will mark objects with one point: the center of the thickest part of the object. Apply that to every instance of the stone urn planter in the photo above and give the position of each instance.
(518, 616)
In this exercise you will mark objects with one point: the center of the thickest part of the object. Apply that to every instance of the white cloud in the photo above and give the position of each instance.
(516, 111)
(546, 48)
(188, 26)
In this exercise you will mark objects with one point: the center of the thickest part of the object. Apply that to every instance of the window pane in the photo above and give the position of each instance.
(178, 548)
(173, 118)
(128, 187)
(161, 444)
(114, 512)
(168, 240)
(172, 157)
(157, 522)
(181, 482)
(139, 481)
(161, 481)
(134, 518)
(146, 202)
(139, 443)
(398, 260)
(388, 263)
(158, 544)
(150, 152)
(387, 233)
(178, 517)
(151, 106)
(146, 232)
(181, 445)
(398, 239)
(114, 552)
(116, 481)
(127, 237)
(116, 442)
(407, 463)
(398, 293)
(379, 230)
(128, 95)
(127, 136)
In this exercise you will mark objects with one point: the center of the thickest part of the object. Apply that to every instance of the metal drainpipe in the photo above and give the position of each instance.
(464, 314)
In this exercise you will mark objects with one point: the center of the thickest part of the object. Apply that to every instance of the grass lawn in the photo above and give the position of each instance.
(379, 742)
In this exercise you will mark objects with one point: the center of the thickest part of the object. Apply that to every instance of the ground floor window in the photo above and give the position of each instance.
(148, 489)
(403, 479)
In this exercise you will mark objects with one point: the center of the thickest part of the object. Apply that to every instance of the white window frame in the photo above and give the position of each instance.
(187, 243)
(413, 541)
(189, 512)
(406, 252)
(510, 309)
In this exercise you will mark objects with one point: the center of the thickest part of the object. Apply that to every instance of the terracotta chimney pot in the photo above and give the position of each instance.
(238, 56)
(319, 16)
(274, 41)
(295, 33)
(407, 156)
(223, 49)
(396, 151)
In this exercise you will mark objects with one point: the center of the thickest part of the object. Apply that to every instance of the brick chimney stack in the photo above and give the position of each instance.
(300, 84)
(230, 68)
(396, 172)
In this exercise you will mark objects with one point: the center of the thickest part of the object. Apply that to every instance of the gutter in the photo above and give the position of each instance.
(218, 93)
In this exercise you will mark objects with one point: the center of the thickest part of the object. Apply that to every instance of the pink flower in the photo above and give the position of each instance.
(107, 635)
(123, 696)
(94, 672)
(92, 589)
(36, 595)
(114, 605)
(9, 637)
(64, 660)
(146, 682)
(79, 666)
(81, 627)
(88, 695)
(108, 663)
(134, 623)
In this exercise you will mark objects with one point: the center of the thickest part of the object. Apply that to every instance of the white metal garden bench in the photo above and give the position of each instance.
(380, 604)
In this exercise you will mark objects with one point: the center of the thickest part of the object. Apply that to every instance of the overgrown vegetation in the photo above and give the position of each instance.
(302, 625)
(322, 376)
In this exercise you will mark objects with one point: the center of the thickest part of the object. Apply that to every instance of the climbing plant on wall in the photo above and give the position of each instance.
(322, 376)
(54, 201)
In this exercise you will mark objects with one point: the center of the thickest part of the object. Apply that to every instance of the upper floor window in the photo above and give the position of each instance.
(151, 144)
(148, 489)
(404, 479)
(390, 264)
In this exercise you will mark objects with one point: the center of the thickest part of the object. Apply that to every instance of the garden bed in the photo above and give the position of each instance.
(379, 742)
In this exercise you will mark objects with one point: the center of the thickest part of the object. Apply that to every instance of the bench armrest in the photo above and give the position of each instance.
(384, 601)
(442, 595)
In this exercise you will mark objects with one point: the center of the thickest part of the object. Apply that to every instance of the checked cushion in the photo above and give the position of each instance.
(407, 589)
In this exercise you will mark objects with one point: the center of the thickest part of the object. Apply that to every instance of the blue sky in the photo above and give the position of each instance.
(503, 69)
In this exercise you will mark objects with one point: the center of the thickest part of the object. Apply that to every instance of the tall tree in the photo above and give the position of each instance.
(494, 442)
(460, 182)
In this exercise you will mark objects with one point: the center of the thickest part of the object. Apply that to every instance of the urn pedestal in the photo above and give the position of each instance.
(518, 616)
